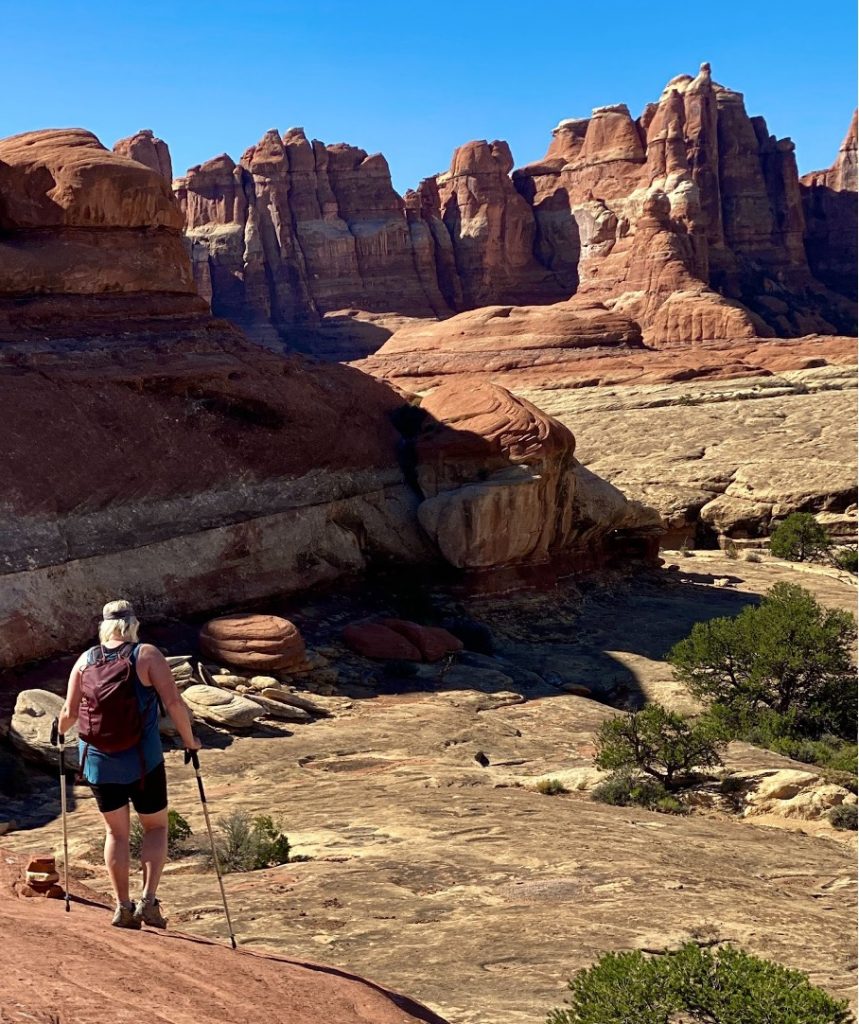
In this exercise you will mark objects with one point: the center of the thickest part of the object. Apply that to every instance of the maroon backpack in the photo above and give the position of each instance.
(109, 716)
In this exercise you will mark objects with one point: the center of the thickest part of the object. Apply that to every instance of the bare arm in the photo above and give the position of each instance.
(153, 670)
(69, 714)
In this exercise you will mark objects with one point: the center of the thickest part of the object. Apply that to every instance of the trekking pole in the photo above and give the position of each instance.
(59, 739)
(191, 757)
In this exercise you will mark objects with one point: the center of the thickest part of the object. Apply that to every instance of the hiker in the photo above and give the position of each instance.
(113, 697)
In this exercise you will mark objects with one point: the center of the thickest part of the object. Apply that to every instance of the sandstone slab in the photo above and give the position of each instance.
(30, 729)
(222, 707)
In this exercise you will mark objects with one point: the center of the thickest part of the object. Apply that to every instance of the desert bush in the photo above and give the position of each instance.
(246, 843)
(551, 787)
(784, 665)
(847, 559)
(752, 556)
(686, 548)
(799, 538)
(844, 817)
(178, 830)
(729, 550)
(625, 789)
(657, 742)
(725, 986)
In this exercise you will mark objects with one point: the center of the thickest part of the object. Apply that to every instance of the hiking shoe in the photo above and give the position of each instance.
(123, 917)
(148, 911)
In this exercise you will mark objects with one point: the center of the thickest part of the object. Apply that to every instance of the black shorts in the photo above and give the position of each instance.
(148, 795)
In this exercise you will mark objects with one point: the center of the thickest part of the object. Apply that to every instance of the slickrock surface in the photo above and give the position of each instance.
(689, 220)
(723, 457)
(438, 870)
(94, 974)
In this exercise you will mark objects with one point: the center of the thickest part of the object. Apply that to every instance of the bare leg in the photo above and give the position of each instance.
(153, 850)
(116, 851)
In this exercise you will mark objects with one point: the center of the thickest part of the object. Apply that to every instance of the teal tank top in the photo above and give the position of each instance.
(123, 767)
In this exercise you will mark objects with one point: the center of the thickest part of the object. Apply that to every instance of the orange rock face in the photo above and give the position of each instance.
(146, 149)
(254, 642)
(82, 226)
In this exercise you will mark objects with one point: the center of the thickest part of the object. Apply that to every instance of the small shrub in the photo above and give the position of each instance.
(847, 559)
(800, 538)
(178, 830)
(551, 787)
(844, 817)
(624, 789)
(726, 986)
(245, 843)
(752, 556)
(730, 550)
(686, 548)
(657, 742)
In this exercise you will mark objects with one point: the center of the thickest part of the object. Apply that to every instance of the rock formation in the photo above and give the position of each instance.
(264, 643)
(84, 232)
(829, 205)
(485, 459)
(297, 229)
(203, 470)
(693, 206)
(30, 730)
(146, 149)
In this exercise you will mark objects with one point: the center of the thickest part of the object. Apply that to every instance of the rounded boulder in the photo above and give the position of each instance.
(260, 643)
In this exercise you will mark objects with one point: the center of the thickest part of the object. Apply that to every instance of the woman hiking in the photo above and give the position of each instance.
(113, 697)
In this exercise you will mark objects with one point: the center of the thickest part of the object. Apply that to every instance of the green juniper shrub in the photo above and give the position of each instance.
(659, 743)
(178, 830)
(247, 843)
(844, 817)
(725, 986)
(625, 789)
(551, 787)
(783, 666)
(847, 559)
(799, 538)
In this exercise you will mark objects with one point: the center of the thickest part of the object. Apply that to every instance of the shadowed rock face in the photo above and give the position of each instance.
(741, 249)
(829, 204)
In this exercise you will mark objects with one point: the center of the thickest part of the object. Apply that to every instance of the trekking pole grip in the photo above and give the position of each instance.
(56, 736)
(192, 758)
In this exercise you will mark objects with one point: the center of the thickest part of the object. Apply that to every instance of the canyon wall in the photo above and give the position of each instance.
(690, 219)
(829, 205)
(154, 452)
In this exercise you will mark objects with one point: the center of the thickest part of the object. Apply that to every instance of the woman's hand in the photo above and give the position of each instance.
(195, 744)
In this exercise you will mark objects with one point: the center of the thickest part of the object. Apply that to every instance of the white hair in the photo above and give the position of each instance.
(118, 622)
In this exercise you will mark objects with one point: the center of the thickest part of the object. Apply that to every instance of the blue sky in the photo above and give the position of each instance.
(412, 80)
